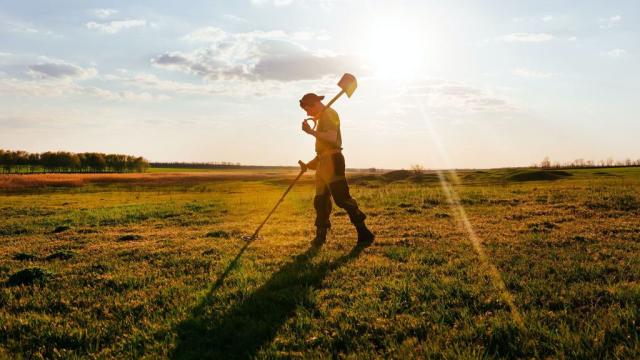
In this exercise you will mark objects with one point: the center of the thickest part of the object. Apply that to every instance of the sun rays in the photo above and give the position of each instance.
(461, 217)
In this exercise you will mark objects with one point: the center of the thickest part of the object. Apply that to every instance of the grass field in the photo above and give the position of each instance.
(497, 263)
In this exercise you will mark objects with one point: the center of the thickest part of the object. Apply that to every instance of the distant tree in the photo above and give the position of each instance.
(116, 162)
(545, 163)
(69, 161)
(95, 161)
(83, 167)
(5, 161)
(139, 164)
(9, 159)
(33, 161)
(417, 169)
(47, 160)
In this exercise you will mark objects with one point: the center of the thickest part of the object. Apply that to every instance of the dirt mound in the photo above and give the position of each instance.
(61, 228)
(364, 179)
(539, 175)
(130, 237)
(424, 178)
(22, 256)
(61, 255)
(29, 276)
(397, 175)
(218, 234)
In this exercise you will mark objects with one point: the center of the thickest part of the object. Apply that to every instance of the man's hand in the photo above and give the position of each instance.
(313, 164)
(307, 128)
(303, 166)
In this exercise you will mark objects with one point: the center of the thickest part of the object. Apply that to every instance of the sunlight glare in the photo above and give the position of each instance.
(394, 48)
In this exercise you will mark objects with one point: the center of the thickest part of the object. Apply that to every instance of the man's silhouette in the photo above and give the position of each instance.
(329, 165)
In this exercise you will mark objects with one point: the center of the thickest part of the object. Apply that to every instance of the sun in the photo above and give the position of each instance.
(395, 49)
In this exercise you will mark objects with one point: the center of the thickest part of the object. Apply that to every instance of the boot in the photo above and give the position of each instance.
(365, 236)
(321, 236)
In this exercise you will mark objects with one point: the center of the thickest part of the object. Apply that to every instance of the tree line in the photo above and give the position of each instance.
(63, 161)
(546, 163)
(198, 165)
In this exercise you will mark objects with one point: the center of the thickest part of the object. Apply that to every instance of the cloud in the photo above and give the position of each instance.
(610, 22)
(50, 77)
(66, 87)
(18, 26)
(206, 34)
(254, 56)
(59, 70)
(527, 37)
(616, 53)
(235, 18)
(310, 35)
(112, 27)
(528, 73)
(152, 82)
(13, 86)
(56, 78)
(547, 18)
(103, 13)
(126, 95)
(272, 2)
(444, 94)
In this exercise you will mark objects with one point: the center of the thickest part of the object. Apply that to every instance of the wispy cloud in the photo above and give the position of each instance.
(610, 22)
(616, 53)
(112, 27)
(235, 18)
(206, 34)
(56, 87)
(529, 73)
(17, 26)
(103, 13)
(152, 83)
(310, 35)
(49, 77)
(457, 97)
(527, 37)
(59, 70)
(272, 2)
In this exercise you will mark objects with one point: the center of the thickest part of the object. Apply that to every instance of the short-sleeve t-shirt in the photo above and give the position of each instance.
(329, 120)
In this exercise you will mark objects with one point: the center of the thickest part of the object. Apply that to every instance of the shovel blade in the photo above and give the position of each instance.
(348, 84)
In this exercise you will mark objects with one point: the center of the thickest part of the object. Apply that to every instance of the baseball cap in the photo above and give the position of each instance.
(310, 98)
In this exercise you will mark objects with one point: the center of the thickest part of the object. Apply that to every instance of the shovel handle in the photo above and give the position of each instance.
(303, 166)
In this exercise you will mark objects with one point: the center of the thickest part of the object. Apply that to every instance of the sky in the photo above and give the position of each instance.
(455, 84)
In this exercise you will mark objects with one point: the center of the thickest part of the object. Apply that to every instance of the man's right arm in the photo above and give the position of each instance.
(313, 164)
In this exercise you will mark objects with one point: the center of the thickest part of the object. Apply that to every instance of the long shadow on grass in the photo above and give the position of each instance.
(254, 322)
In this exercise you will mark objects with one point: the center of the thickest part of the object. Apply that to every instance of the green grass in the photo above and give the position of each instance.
(161, 271)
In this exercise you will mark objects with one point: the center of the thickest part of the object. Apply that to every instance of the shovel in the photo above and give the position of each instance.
(347, 85)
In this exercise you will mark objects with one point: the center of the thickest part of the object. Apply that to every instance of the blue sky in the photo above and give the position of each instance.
(442, 84)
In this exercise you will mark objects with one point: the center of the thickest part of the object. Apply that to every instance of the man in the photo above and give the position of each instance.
(329, 165)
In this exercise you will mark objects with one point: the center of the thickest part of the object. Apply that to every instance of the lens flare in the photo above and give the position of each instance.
(461, 216)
